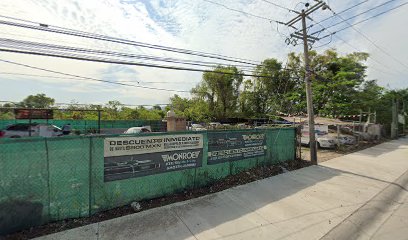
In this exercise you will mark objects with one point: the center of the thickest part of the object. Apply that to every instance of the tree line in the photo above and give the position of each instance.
(338, 81)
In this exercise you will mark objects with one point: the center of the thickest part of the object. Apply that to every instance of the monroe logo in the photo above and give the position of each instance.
(253, 137)
(180, 156)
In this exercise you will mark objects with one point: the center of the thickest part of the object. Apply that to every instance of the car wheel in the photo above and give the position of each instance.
(16, 136)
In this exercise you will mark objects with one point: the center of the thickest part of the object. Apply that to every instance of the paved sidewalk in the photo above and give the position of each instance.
(356, 196)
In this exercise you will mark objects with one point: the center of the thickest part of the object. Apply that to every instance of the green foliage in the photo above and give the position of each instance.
(338, 83)
(220, 91)
(37, 101)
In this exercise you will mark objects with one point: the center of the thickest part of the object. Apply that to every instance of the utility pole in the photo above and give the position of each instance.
(309, 99)
(302, 35)
(404, 117)
(394, 123)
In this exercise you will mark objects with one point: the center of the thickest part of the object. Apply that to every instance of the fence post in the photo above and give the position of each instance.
(90, 178)
(48, 178)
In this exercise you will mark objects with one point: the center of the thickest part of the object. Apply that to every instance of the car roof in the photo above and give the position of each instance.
(137, 128)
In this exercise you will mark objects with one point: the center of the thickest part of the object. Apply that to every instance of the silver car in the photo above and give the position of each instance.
(20, 130)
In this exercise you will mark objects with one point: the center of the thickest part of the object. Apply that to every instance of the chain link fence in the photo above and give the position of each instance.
(50, 179)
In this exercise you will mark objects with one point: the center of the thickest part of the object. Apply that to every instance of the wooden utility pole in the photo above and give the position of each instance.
(404, 116)
(309, 99)
(394, 123)
(302, 35)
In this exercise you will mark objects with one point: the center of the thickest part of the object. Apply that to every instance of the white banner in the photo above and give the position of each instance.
(122, 146)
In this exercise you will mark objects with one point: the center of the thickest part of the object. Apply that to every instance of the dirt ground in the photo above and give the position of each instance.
(327, 154)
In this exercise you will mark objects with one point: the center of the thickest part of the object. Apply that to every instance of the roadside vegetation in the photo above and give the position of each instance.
(339, 83)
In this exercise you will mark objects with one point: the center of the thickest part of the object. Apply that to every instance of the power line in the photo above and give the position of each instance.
(243, 12)
(280, 6)
(331, 34)
(343, 11)
(89, 78)
(95, 104)
(61, 53)
(76, 33)
(371, 41)
(74, 78)
(368, 10)
(28, 44)
(371, 17)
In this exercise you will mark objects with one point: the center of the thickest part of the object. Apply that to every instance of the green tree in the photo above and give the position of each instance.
(37, 101)
(220, 89)
(336, 81)
(271, 88)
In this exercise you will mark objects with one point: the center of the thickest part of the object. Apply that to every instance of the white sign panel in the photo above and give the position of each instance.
(120, 146)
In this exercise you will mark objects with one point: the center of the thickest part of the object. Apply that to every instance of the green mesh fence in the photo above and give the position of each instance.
(91, 126)
(49, 179)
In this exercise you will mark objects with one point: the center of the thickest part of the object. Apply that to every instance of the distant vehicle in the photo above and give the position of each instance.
(324, 141)
(197, 127)
(243, 125)
(345, 139)
(20, 130)
(215, 125)
(138, 130)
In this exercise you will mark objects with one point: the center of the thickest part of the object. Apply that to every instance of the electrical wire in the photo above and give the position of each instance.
(370, 40)
(280, 6)
(89, 78)
(121, 62)
(24, 44)
(73, 78)
(332, 34)
(243, 12)
(16, 46)
(76, 33)
(344, 10)
(359, 14)
(371, 17)
(95, 104)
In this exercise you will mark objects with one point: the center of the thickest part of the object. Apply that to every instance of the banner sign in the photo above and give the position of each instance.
(129, 157)
(33, 113)
(232, 146)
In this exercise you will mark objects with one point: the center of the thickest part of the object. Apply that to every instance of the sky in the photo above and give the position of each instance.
(189, 24)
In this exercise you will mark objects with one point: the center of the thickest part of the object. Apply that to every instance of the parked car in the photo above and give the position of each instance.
(20, 130)
(138, 130)
(343, 139)
(215, 125)
(323, 141)
(197, 127)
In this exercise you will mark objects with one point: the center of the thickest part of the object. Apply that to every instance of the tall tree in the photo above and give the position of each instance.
(271, 88)
(335, 81)
(37, 101)
(221, 90)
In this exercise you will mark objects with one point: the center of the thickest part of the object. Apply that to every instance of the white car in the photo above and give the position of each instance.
(137, 130)
(214, 125)
(345, 140)
(197, 127)
(20, 130)
(323, 141)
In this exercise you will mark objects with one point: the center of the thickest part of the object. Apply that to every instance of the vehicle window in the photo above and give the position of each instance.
(145, 130)
(18, 127)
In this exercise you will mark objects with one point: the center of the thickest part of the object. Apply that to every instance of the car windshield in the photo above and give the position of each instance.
(133, 130)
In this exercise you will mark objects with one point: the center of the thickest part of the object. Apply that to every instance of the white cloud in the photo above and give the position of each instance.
(197, 25)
